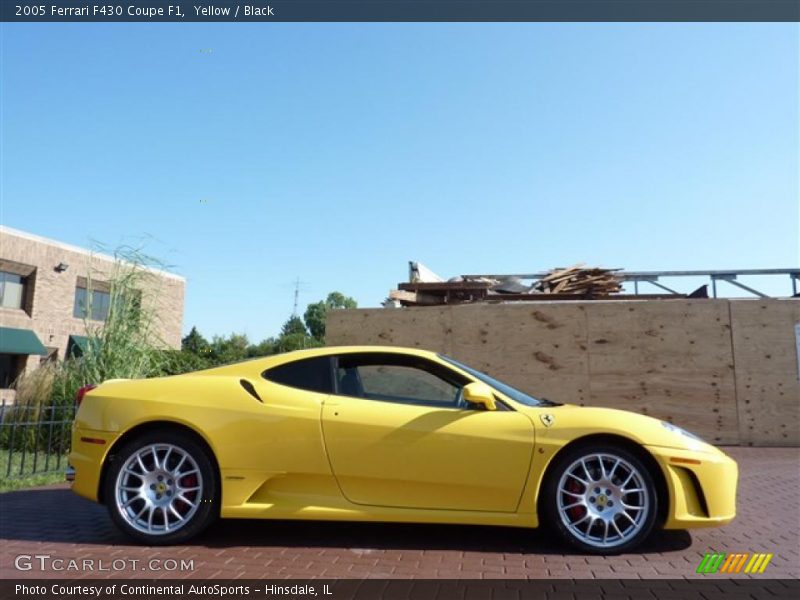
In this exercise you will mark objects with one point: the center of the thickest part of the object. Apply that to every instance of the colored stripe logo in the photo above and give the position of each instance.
(737, 562)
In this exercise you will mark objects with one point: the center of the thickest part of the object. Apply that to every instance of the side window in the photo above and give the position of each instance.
(397, 378)
(390, 382)
(311, 374)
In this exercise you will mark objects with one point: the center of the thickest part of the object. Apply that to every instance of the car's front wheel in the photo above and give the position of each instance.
(161, 488)
(600, 499)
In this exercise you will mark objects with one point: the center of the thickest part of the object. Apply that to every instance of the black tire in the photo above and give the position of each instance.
(598, 508)
(206, 499)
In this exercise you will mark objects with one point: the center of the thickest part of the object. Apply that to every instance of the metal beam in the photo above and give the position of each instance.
(732, 280)
(631, 275)
(652, 277)
(663, 287)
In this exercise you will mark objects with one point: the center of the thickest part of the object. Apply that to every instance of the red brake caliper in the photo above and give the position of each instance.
(576, 512)
(188, 481)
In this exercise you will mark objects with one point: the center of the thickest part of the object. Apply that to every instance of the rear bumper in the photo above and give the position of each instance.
(701, 486)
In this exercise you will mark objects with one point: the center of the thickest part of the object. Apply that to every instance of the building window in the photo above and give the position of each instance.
(12, 290)
(11, 365)
(91, 304)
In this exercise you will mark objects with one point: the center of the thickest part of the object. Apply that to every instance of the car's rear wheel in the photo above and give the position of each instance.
(600, 499)
(161, 488)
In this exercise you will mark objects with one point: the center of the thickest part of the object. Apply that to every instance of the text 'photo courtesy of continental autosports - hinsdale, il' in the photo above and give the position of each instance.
(363, 433)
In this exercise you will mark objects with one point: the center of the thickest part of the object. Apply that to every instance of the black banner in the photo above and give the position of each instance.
(396, 589)
(178, 11)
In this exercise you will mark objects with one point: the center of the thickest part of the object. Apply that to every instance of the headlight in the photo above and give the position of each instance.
(680, 431)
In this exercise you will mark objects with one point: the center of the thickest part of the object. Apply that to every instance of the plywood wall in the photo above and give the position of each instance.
(726, 369)
(430, 328)
(767, 387)
(540, 351)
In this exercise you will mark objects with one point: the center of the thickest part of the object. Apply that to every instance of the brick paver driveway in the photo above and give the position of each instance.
(53, 521)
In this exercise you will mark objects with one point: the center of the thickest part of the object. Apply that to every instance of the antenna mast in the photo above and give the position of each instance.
(296, 296)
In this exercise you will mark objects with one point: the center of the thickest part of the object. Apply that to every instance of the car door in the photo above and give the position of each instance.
(397, 435)
(282, 432)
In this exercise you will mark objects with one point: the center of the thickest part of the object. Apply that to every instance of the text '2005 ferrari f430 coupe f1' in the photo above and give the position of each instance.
(385, 434)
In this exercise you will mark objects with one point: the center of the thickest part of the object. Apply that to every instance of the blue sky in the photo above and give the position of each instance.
(250, 155)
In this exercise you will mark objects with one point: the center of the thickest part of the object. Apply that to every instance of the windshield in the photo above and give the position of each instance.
(506, 389)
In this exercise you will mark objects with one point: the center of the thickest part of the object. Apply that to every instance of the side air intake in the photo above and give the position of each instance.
(248, 387)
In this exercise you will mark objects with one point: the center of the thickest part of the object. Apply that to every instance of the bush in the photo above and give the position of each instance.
(177, 362)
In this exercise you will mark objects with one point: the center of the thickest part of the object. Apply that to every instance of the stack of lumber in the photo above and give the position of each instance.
(444, 292)
(580, 280)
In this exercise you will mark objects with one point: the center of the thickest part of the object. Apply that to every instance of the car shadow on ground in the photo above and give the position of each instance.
(56, 515)
(402, 536)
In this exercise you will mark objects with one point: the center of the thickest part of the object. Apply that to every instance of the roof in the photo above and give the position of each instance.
(262, 362)
(329, 350)
(77, 249)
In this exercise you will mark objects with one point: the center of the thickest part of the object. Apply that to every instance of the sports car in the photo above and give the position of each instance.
(385, 434)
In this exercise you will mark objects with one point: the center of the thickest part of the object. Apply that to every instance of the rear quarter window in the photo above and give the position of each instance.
(310, 374)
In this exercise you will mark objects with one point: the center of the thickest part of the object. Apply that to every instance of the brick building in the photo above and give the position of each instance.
(43, 308)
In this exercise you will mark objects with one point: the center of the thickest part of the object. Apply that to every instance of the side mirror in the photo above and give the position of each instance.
(480, 393)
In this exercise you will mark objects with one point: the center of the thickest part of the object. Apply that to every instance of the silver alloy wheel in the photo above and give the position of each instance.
(159, 489)
(603, 500)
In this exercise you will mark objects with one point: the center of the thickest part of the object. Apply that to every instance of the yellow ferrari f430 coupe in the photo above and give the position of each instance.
(385, 434)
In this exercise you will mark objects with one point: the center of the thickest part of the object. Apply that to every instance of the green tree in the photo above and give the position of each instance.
(266, 347)
(339, 300)
(176, 362)
(294, 326)
(229, 349)
(316, 314)
(315, 319)
(293, 341)
(195, 343)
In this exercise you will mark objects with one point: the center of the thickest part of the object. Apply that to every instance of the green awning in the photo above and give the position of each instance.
(77, 345)
(20, 341)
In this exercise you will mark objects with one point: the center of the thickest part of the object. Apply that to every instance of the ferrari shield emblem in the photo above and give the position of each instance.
(547, 419)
